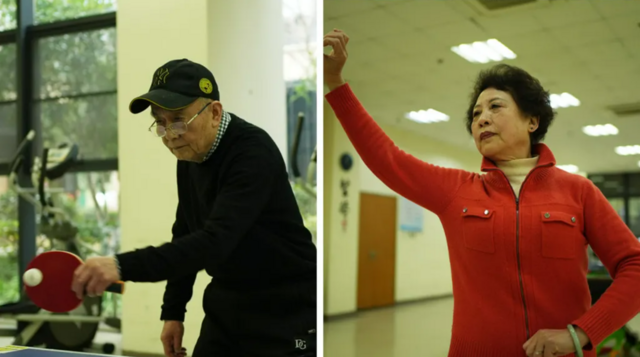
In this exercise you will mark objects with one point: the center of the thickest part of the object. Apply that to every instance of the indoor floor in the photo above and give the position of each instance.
(407, 330)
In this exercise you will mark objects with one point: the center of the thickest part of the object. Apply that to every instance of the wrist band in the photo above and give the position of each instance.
(576, 341)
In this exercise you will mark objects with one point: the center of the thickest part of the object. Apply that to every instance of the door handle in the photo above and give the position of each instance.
(372, 255)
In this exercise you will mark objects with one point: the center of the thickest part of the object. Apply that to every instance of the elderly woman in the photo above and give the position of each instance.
(518, 233)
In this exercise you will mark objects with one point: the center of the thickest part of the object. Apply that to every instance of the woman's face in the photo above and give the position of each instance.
(499, 128)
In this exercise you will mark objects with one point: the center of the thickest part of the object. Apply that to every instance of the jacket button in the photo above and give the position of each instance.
(547, 215)
(573, 219)
(486, 212)
(464, 210)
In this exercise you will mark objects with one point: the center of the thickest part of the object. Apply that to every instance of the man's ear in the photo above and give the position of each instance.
(216, 110)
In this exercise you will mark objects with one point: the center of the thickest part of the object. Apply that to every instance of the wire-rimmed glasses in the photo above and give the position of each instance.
(177, 128)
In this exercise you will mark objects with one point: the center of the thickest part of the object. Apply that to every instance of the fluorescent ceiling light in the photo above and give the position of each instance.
(484, 51)
(563, 100)
(600, 130)
(628, 150)
(427, 116)
(569, 168)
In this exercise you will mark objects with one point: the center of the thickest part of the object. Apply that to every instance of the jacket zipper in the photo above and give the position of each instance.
(517, 198)
(524, 302)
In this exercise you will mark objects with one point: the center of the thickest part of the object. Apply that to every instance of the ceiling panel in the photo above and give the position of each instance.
(421, 14)
(377, 22)
(350, 7)
(503, 26)
(610, 8)
(564, 13)
(627, 25)
(583, 34)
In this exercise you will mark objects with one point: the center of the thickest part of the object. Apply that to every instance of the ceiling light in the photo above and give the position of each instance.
(600, 130)
(563, 100)
(484, 51)
(628, 150)
(569, 168)
(427, 116)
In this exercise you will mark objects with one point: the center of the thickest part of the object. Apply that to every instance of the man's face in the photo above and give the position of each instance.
(194, 144)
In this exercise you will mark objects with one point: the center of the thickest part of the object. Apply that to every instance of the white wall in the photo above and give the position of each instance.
(422, 260)
(150, 33)
(341, 246)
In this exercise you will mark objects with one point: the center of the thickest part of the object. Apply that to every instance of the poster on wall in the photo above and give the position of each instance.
(411, 216)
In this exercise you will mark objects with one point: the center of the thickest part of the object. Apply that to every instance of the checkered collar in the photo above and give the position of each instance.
(224, 123)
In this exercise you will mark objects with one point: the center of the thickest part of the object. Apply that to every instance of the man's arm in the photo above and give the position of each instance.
(179, 290)
(246, 188)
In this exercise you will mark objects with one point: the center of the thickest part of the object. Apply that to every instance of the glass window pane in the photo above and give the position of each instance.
(618, 206)
(610, 185)
(8, 131)
(8, 72)
(634, 184)
(78, 63)
(91, 201)
(91, 122)
(634, 215)
(9, 283)
(8, 12)
(55, 10)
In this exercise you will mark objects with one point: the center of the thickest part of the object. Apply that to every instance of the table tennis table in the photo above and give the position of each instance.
(20, 351)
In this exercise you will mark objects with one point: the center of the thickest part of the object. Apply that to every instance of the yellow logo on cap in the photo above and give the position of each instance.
(161, 76)
(206, 86)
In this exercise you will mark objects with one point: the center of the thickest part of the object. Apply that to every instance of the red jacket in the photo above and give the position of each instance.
(518, 266)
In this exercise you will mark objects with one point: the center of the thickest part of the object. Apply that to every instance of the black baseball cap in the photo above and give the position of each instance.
(177, 84)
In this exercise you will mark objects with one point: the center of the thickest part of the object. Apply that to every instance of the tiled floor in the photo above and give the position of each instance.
(417, 329)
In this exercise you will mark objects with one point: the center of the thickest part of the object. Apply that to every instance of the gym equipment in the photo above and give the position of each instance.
(76, 329)
(306, 185)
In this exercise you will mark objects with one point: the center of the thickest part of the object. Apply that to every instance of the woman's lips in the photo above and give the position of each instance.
(486, 135)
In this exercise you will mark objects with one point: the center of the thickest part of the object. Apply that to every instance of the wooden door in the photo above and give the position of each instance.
(377, 251)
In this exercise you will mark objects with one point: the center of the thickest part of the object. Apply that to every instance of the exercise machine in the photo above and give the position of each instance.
(75, 330)
(307, 185)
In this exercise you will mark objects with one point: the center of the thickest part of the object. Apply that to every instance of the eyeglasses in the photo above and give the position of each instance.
(177, 128)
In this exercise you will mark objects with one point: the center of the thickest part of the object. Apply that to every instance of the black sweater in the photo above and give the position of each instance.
(237, 218)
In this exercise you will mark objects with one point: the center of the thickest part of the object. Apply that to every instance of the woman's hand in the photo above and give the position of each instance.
(334, 61)
(551, 343)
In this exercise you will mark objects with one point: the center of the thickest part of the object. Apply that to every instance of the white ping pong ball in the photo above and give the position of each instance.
(32, 277)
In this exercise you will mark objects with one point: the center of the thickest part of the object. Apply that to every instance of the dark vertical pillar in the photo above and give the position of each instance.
(627, 199)
(26, 212)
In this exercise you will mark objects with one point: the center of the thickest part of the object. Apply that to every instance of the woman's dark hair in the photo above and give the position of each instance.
(527, 92)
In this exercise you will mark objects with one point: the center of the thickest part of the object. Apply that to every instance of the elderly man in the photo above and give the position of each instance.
(237, 218)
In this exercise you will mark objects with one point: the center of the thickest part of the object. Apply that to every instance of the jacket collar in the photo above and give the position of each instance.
(542, 150)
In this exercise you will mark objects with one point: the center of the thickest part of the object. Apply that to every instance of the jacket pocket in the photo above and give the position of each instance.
(560, 235)
(477, 229)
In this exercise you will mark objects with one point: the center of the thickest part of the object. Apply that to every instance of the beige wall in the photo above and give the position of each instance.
(422, 262)
(151, 33)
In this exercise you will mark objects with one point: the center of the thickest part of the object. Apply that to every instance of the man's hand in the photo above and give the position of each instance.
(94, 276)
(334, 61)
(551, 343)
(171, 338)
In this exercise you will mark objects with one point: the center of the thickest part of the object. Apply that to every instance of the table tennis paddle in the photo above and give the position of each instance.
(53, 293)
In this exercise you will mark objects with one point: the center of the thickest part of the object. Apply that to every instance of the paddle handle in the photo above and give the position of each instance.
(116, 288)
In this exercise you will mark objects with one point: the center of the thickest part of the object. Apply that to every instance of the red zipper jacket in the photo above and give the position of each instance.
(518, 265)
